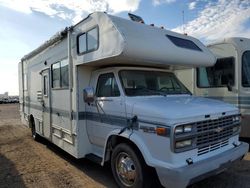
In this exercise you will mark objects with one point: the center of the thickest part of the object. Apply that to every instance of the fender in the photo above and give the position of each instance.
(133, 137)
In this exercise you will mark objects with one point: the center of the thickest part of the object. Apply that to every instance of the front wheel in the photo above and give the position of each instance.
(128, 169)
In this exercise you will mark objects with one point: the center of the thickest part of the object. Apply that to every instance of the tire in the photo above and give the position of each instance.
(33, 130)
(125, 157)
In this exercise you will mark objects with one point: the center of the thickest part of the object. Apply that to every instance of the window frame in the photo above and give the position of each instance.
(60, 80)
(86, 33)
(97, 85)
(45, 86)
(221, 86)
(247, 51)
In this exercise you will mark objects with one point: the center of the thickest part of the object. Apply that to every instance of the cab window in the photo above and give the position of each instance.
(107, 86)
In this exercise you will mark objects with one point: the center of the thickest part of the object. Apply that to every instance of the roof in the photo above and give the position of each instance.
(126, 41)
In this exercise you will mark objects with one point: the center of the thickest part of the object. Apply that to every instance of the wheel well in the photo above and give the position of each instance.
(31, 121)
(114, 140)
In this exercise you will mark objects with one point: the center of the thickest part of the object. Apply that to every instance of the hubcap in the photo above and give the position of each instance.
(125, 168)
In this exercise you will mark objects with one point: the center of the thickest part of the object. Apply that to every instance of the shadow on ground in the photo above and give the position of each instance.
(238, 175)
(9, 176)
(101, 174)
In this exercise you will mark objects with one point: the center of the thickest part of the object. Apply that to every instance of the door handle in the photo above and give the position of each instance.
(100, 100)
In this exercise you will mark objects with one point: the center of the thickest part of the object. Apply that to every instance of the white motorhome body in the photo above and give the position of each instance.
(228, 79)
(126, 122)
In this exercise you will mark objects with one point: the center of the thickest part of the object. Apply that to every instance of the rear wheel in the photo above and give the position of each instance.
(33, 130)
(128, 169)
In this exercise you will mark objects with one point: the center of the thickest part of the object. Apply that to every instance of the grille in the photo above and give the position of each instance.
(212, 147)
(213, 124)
(213, 134)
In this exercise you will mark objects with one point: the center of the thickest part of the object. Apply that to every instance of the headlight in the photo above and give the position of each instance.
(183, 129)
(236, 119)
(187, 128)
(182, 144)
(178, 130)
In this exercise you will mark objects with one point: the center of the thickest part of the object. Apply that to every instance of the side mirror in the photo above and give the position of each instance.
(88, 94)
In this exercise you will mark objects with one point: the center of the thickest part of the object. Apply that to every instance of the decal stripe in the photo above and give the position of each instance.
(93, 116)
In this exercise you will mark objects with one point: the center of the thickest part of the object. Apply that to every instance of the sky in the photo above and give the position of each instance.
(26, 24)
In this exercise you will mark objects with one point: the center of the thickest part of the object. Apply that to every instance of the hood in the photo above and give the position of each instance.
(177, 107)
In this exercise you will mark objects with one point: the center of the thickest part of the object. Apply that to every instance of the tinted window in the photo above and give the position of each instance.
(56, 75)
(60, 74)
(246, 69)
(92, 39)
(220, 75)
(82, 43)
(107, 86)
(88, 41)
(45, 85)
(183, 43)
(64, 73)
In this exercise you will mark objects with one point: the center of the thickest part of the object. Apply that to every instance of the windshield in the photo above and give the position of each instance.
(246, 69)
(141, 82)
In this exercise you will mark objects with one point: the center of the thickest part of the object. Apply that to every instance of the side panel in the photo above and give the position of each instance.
(83, 78)
(20, 83)
(52, 114)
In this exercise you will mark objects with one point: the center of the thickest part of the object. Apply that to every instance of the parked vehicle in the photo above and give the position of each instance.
(104, 89)
(9, 100)
(228, 79)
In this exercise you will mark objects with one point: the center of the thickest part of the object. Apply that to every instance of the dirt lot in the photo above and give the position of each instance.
(26, 163)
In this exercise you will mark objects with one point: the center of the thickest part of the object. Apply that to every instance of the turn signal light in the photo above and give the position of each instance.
(162, 131)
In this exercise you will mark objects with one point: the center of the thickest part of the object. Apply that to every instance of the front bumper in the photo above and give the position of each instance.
(184, 176)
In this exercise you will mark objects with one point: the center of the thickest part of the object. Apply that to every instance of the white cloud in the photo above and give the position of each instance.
(192, 5)
(159, 2)
(73, 10)
(219, 20)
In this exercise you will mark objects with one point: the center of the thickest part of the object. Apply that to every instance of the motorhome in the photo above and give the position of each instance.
(105, 89)
(227, 80)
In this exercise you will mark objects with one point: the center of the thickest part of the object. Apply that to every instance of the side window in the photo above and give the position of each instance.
(246, 69)
(220, 75)
(64, 73)
(92, 39)
(82, 43)
(88, 41)
(56, 75)
(183, 43)
(60, 74)
(45, 85)
(107, 86)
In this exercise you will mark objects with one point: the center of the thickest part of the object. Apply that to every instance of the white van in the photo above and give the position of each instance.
(104, 89)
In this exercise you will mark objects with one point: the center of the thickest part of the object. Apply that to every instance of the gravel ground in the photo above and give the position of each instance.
(26, 163)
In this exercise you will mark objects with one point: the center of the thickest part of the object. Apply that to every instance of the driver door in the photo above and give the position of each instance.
(107, 112)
